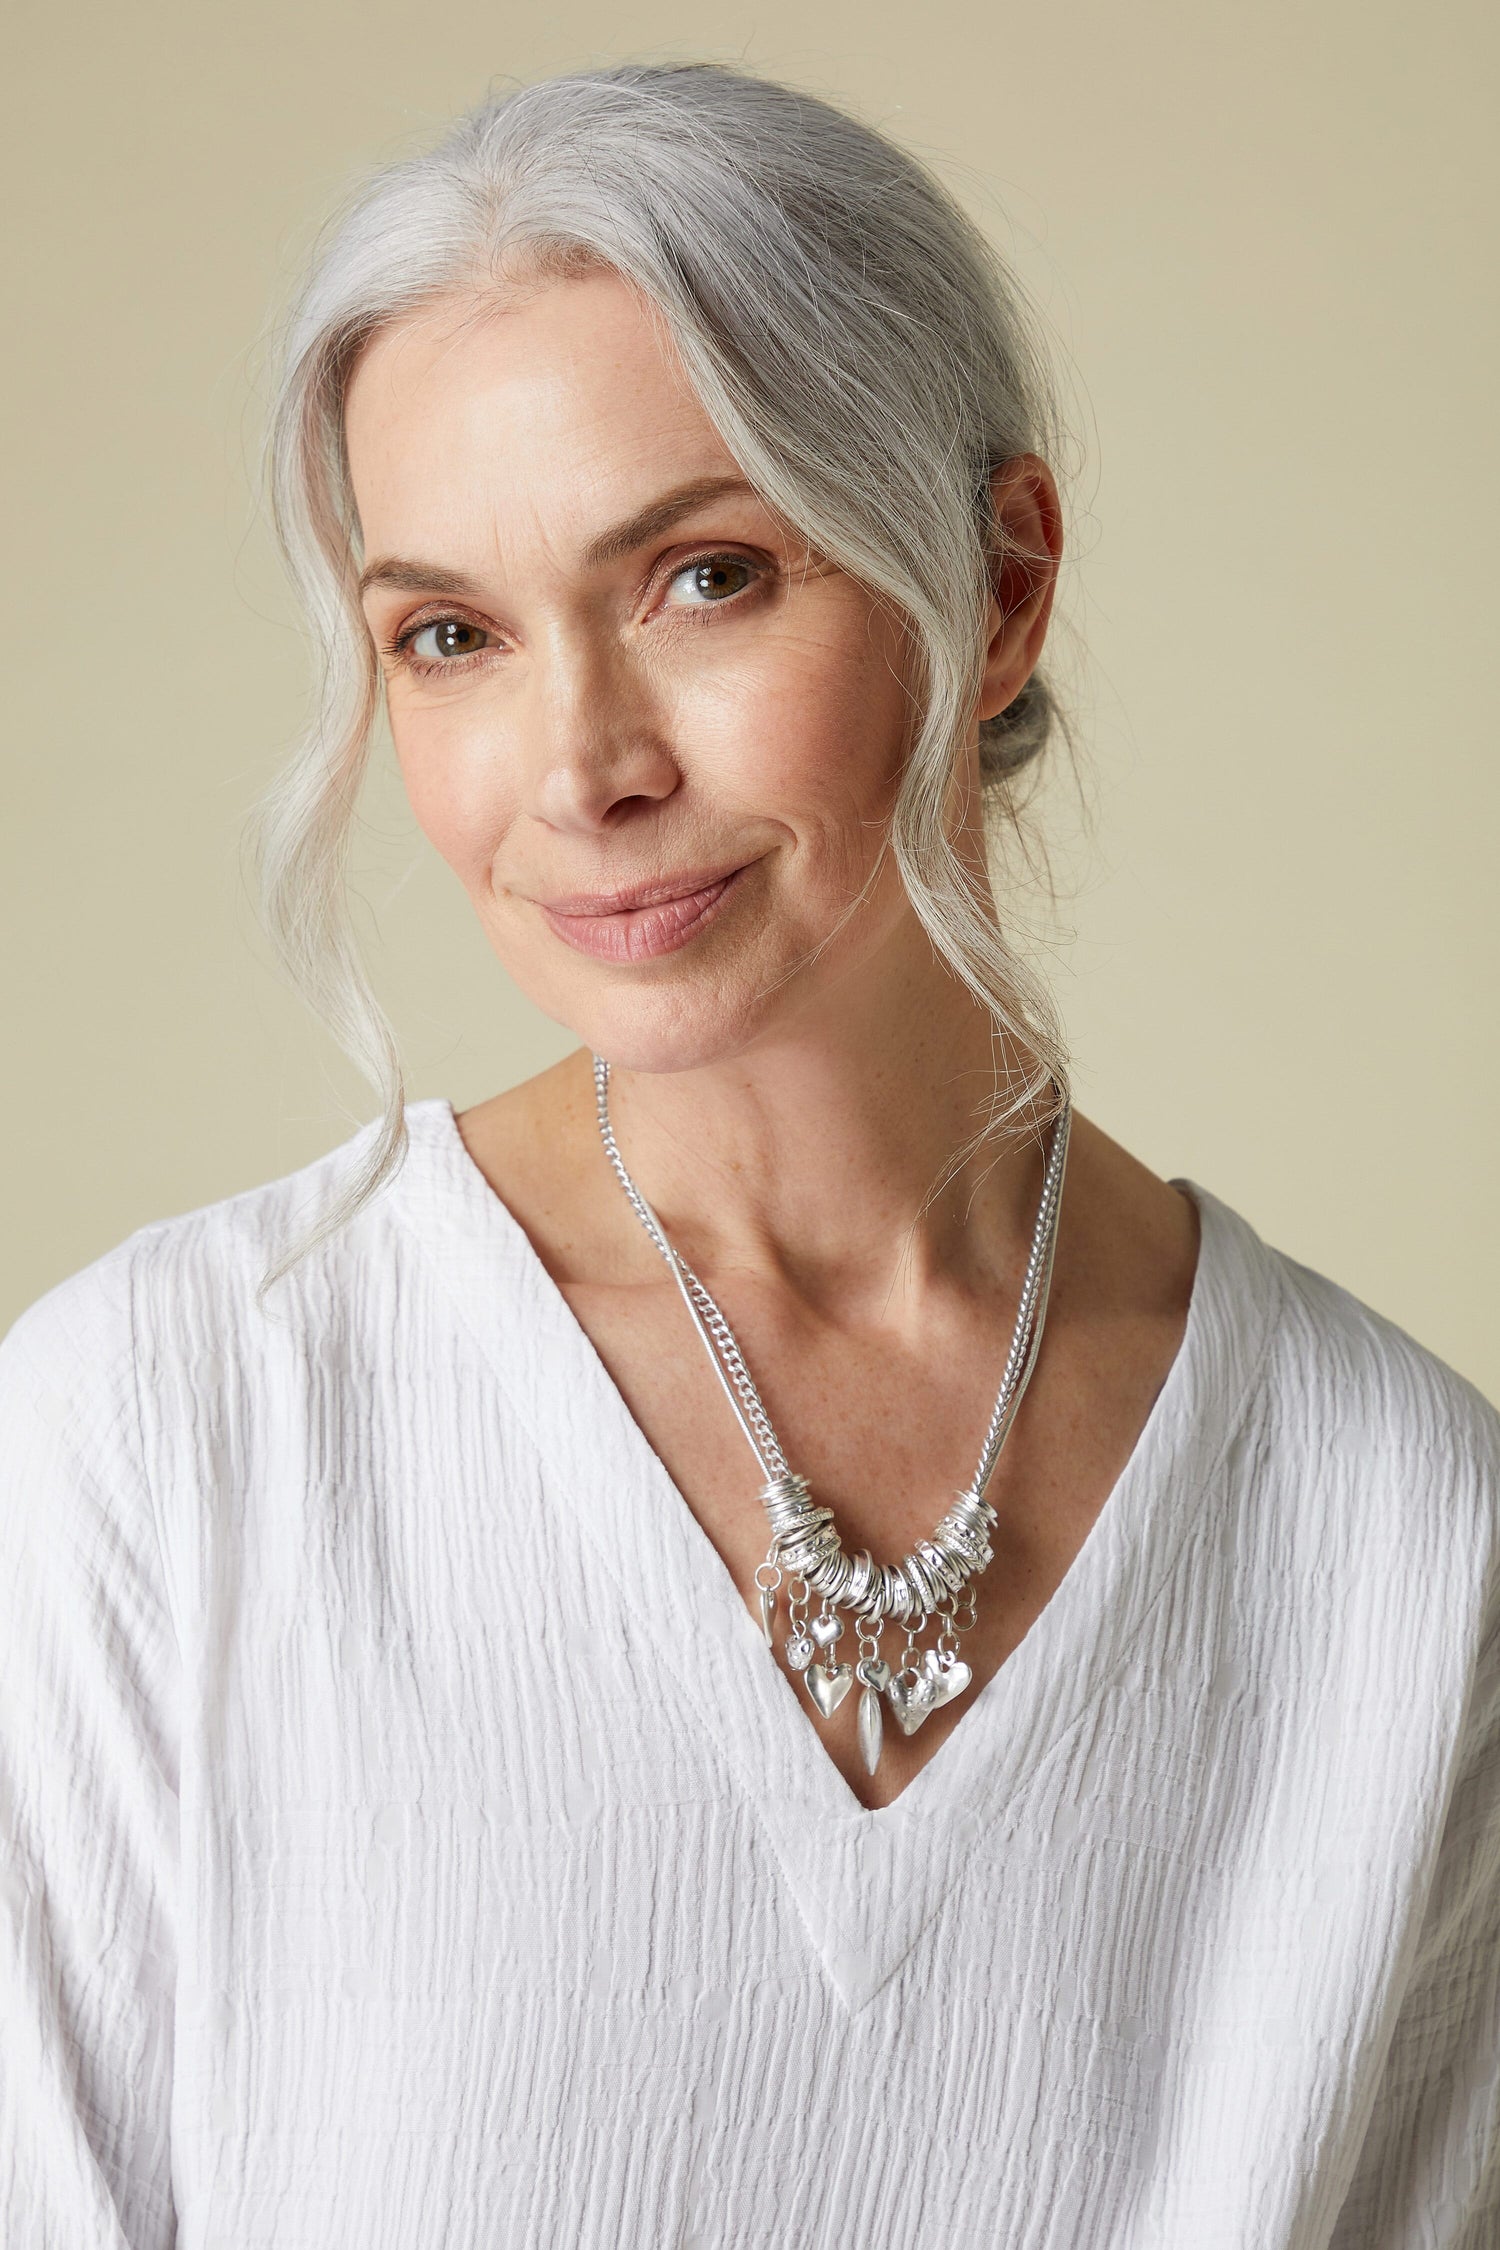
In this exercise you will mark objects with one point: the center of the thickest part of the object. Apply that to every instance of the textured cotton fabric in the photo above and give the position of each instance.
(409, 1843)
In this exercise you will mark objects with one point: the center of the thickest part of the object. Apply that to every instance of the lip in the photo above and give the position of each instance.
(642, 921)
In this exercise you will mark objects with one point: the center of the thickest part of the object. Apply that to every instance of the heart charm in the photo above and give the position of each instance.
(826, 1630)
(947, 1680)
(910, 1704)
(800, 1652)
(874, 1671)
(828, 1689)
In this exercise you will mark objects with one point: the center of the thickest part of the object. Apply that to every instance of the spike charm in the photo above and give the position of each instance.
(874, 1675)
(767, 1614)
(871, 1729)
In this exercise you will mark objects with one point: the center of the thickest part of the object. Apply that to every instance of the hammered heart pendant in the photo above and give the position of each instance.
(948, 1679)
(828, 1689)
(911, 1704)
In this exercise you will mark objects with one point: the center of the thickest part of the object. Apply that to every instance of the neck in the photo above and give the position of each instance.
(812, 1156)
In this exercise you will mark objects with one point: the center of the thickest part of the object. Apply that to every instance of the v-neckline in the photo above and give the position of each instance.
(664, 1562)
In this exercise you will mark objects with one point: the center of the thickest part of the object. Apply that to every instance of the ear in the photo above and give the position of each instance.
(1028, 546)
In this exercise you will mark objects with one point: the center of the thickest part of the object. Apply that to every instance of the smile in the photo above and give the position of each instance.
(639, 924)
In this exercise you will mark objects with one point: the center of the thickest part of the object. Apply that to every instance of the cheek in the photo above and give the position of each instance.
(456, 783)
(807, 726)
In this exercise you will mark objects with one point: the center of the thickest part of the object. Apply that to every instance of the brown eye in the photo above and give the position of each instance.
(442, 639)
(711, 580)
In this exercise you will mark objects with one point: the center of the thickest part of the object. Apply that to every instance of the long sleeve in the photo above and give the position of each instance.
(1428, 2173)
(88, 1786)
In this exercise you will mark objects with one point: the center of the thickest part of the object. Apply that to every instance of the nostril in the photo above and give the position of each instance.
(600, 784)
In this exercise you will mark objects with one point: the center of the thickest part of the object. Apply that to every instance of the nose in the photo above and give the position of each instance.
(597, 751)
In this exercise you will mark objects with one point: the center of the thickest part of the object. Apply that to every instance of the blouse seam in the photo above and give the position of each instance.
(147, 1480)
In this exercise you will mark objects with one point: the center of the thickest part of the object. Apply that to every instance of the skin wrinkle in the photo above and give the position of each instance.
(609, 546)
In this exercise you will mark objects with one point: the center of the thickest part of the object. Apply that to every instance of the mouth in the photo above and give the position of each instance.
(644, 921)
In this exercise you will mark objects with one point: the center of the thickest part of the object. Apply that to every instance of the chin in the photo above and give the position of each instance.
(663, 1032)
(662, 1040)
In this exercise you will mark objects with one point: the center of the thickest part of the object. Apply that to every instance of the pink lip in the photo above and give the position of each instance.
(642, 922)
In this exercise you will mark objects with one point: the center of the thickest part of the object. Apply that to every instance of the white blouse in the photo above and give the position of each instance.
(409, 1843)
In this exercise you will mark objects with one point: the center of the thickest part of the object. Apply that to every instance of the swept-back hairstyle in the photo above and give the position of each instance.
(862, 350)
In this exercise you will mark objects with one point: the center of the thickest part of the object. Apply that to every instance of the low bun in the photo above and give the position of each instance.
(1018, 734)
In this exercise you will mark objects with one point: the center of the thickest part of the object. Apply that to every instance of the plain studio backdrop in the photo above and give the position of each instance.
(1263, 240)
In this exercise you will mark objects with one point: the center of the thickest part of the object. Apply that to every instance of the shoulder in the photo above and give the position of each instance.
(193, 1282)
(1379, 1446)
(67, 1372)
(1357, 1370)
(1333, 1363)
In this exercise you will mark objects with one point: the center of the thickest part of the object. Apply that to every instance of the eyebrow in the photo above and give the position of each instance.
(411, 576)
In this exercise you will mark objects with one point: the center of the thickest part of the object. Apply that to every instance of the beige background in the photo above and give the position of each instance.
(1265, 238)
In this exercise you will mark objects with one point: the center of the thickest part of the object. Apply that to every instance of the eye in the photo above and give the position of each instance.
(440, 644)
(710, 581)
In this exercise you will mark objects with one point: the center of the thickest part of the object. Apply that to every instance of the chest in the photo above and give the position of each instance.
(888, 1429)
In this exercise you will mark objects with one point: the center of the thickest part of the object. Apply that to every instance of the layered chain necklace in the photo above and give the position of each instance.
(806, 1549)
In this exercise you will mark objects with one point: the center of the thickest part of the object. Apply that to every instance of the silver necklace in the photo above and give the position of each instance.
(804, 1544)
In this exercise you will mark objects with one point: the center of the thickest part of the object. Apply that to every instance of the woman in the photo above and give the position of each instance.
(461, 1791)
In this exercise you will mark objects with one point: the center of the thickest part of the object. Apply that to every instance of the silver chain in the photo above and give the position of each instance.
(735, 1375)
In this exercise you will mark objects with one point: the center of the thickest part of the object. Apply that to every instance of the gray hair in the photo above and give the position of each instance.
(861, 348)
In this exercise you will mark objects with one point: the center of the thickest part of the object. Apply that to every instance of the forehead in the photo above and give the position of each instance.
(562, 401)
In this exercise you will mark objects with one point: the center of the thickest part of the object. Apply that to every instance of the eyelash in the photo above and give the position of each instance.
(398, 646)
